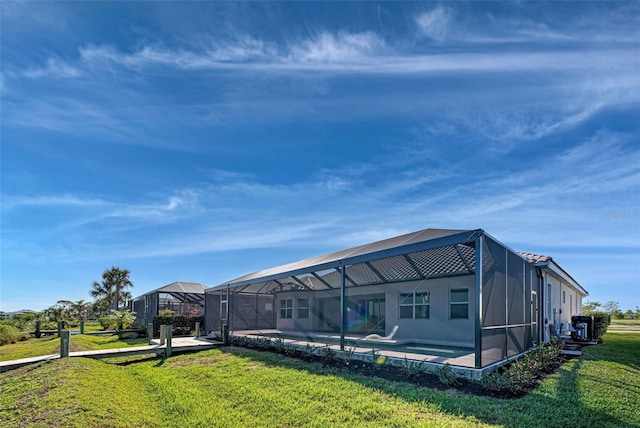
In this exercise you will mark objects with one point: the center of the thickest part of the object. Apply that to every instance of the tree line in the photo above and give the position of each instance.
(612, 308)
(109, 294)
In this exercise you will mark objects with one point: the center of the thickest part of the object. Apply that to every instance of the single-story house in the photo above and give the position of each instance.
(460, 295)
(181, 297)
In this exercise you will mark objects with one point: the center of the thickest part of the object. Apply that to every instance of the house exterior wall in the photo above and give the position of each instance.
(562, 301)
(439, 328)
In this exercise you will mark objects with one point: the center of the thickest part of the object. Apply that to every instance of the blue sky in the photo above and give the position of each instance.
(199, 141)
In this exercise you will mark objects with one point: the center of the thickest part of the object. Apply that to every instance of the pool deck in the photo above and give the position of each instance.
(364, 348)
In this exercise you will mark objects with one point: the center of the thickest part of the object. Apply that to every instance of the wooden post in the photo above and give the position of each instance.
(81, 325)
(150, 332)
(197, 328)
(163, 334)
(225, 334)
(59, 328)
(38, 324)
(167, 351)
(64, 343)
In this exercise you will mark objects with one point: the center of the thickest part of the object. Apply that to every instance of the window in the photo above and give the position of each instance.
(459, 302)
(286, 308)
(415, 305)
(303, 308)
(224, 309)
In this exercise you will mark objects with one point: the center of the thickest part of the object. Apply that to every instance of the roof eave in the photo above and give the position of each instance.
(555, 268)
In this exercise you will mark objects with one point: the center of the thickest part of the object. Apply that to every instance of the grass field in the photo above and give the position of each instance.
(625, 325)
(238, 387)
(51, 345)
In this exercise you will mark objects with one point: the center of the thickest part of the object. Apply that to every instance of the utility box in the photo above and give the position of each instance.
(584, 328)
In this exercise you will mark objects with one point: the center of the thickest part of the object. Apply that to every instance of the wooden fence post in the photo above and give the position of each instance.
(64, 344)
(225, 334)
(59, 328)
(81, 325)
(167, 351)
(150, 332)
(38, 324)
(163, 334)
(197, 328)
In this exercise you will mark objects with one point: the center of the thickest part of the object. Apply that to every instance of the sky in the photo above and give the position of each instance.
(200, 141)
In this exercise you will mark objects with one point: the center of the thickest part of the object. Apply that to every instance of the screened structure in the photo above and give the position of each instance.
(458, 295)
(183, 298)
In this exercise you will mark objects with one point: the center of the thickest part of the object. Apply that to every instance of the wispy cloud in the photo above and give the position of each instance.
(54, 68)
(340, 48)
(435, 23)
(344, 207)
(356, 53)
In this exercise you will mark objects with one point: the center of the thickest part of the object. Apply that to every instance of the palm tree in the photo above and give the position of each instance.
(103, 291)
(56, 312)
(119, 280)
(77, 308)
(126, 297)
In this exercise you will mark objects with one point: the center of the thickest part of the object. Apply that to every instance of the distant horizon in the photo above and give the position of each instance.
(202, 141)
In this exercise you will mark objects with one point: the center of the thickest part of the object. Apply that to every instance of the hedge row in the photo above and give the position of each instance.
(601, 323)
(182, 325)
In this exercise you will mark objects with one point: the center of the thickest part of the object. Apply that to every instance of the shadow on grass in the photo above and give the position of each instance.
(610, 350)
(559, 406)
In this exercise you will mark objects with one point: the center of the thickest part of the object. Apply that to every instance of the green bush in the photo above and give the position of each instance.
(522, 373)
(182, 325)
(601, 323)
(106, 322)
(9, 334)
(446, 376)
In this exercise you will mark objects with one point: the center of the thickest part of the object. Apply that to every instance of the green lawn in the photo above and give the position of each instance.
(92, 326)
(625, 325)
(237, 387)
(51, 345)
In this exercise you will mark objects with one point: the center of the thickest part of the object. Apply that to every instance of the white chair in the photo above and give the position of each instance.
(378, 337)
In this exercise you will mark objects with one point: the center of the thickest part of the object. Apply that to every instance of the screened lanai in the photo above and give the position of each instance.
(458, 295)
(183, 298)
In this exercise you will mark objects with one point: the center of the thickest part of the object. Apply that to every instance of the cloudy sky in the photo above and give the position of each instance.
(202, 141)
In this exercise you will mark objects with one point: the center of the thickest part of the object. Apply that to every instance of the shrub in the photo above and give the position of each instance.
(522, 373)
(328, 354)
(347, 355)
(166, 313)
(9, 334)
(182, 325)
(278, 344)
(446, 375)
(601, 323)
(106, 322)
(142, 331)
(413, 368)
(309, 350)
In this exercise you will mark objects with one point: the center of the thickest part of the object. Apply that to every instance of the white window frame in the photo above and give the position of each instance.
(414, 304)
(306, 308)
(286, 309)
(451, 303)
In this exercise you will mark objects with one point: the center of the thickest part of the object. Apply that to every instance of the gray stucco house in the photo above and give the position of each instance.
(443, 296)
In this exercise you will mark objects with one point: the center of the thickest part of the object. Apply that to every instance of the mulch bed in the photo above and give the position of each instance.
(422, 379)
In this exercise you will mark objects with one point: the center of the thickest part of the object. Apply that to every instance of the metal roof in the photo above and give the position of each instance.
(178, 287)
(427, 253)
